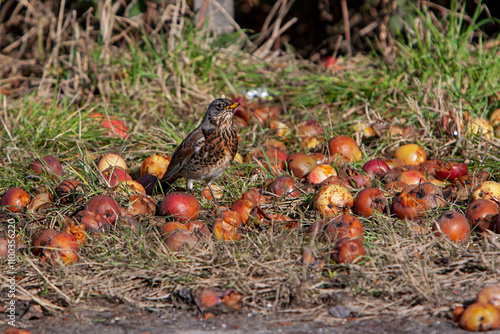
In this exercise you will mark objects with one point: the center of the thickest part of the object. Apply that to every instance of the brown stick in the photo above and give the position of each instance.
(347, 28)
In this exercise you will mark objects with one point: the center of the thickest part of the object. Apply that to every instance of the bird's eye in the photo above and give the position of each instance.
(220, 106)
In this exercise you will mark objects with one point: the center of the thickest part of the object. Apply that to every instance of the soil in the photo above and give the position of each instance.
(127, 320)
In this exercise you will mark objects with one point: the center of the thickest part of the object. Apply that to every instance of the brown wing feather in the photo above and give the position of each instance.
(182, 155)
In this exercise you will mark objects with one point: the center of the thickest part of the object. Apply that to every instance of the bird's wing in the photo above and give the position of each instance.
(183, 154)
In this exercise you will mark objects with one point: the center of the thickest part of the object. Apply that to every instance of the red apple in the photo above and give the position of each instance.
(284, 186)
(15, 199)
(63, 247)
(41, 240)
(300, 164)
(343, 226)
(368, 201)
(50, 165)
(181, 206)
(376, 168)
(348, 251)
(104, 206)
(452, 224)
(320, 173)
(481, 214)
(115, 175)
(345, 148)
(451, 171)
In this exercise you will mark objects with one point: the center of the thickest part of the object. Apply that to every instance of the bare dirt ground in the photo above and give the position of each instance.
(125, 319)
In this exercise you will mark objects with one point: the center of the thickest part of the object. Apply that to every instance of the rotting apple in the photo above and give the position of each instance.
(68, 191)
(300, 164)
(155, 164)
(412, 176)
(450, 171)
(150, 182)
(75, 229)
(348, 251)
(333, 199)
(345, 148)
(343, 226)
(482, 213)
(480, 317)
(243, 207)
(368, 201)
(115, 175)
(480, 127)
(228, 228)
(490, 294)
(280, 128)
(15, 199)
(50, 166)
(454, 225)
(40, 240)
(169, 227)
(320, 173)
(199, 229)
(108, 160)
(63, 247)
(105, 206)
(140, 204)
(284, 186)
(178, 239)
(487, 190)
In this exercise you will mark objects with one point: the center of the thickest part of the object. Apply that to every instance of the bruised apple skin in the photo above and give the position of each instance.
(343, 226)
(414, 200)
(284, 186)
(348, 251)
(104, 206)
(15, 199)
(481, 214)
(368, 201)
(480, 317)
(333, 199)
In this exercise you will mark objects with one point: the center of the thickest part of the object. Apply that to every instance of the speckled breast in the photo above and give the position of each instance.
(214, 157)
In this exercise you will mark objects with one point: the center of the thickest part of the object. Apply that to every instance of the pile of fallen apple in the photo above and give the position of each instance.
(406, 185)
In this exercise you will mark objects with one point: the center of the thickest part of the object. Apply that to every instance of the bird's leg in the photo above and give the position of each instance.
(189, 184)
(213, 196)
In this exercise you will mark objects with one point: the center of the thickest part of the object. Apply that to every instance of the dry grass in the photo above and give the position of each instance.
(159, 75)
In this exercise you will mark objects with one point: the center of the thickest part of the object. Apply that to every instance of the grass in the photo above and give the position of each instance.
(162, 90)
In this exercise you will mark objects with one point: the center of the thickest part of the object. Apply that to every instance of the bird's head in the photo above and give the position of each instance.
(220, 112)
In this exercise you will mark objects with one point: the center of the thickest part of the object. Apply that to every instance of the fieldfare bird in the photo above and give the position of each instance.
(207, 151)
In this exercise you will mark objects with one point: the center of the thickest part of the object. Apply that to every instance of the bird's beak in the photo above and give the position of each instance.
(233, 106)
